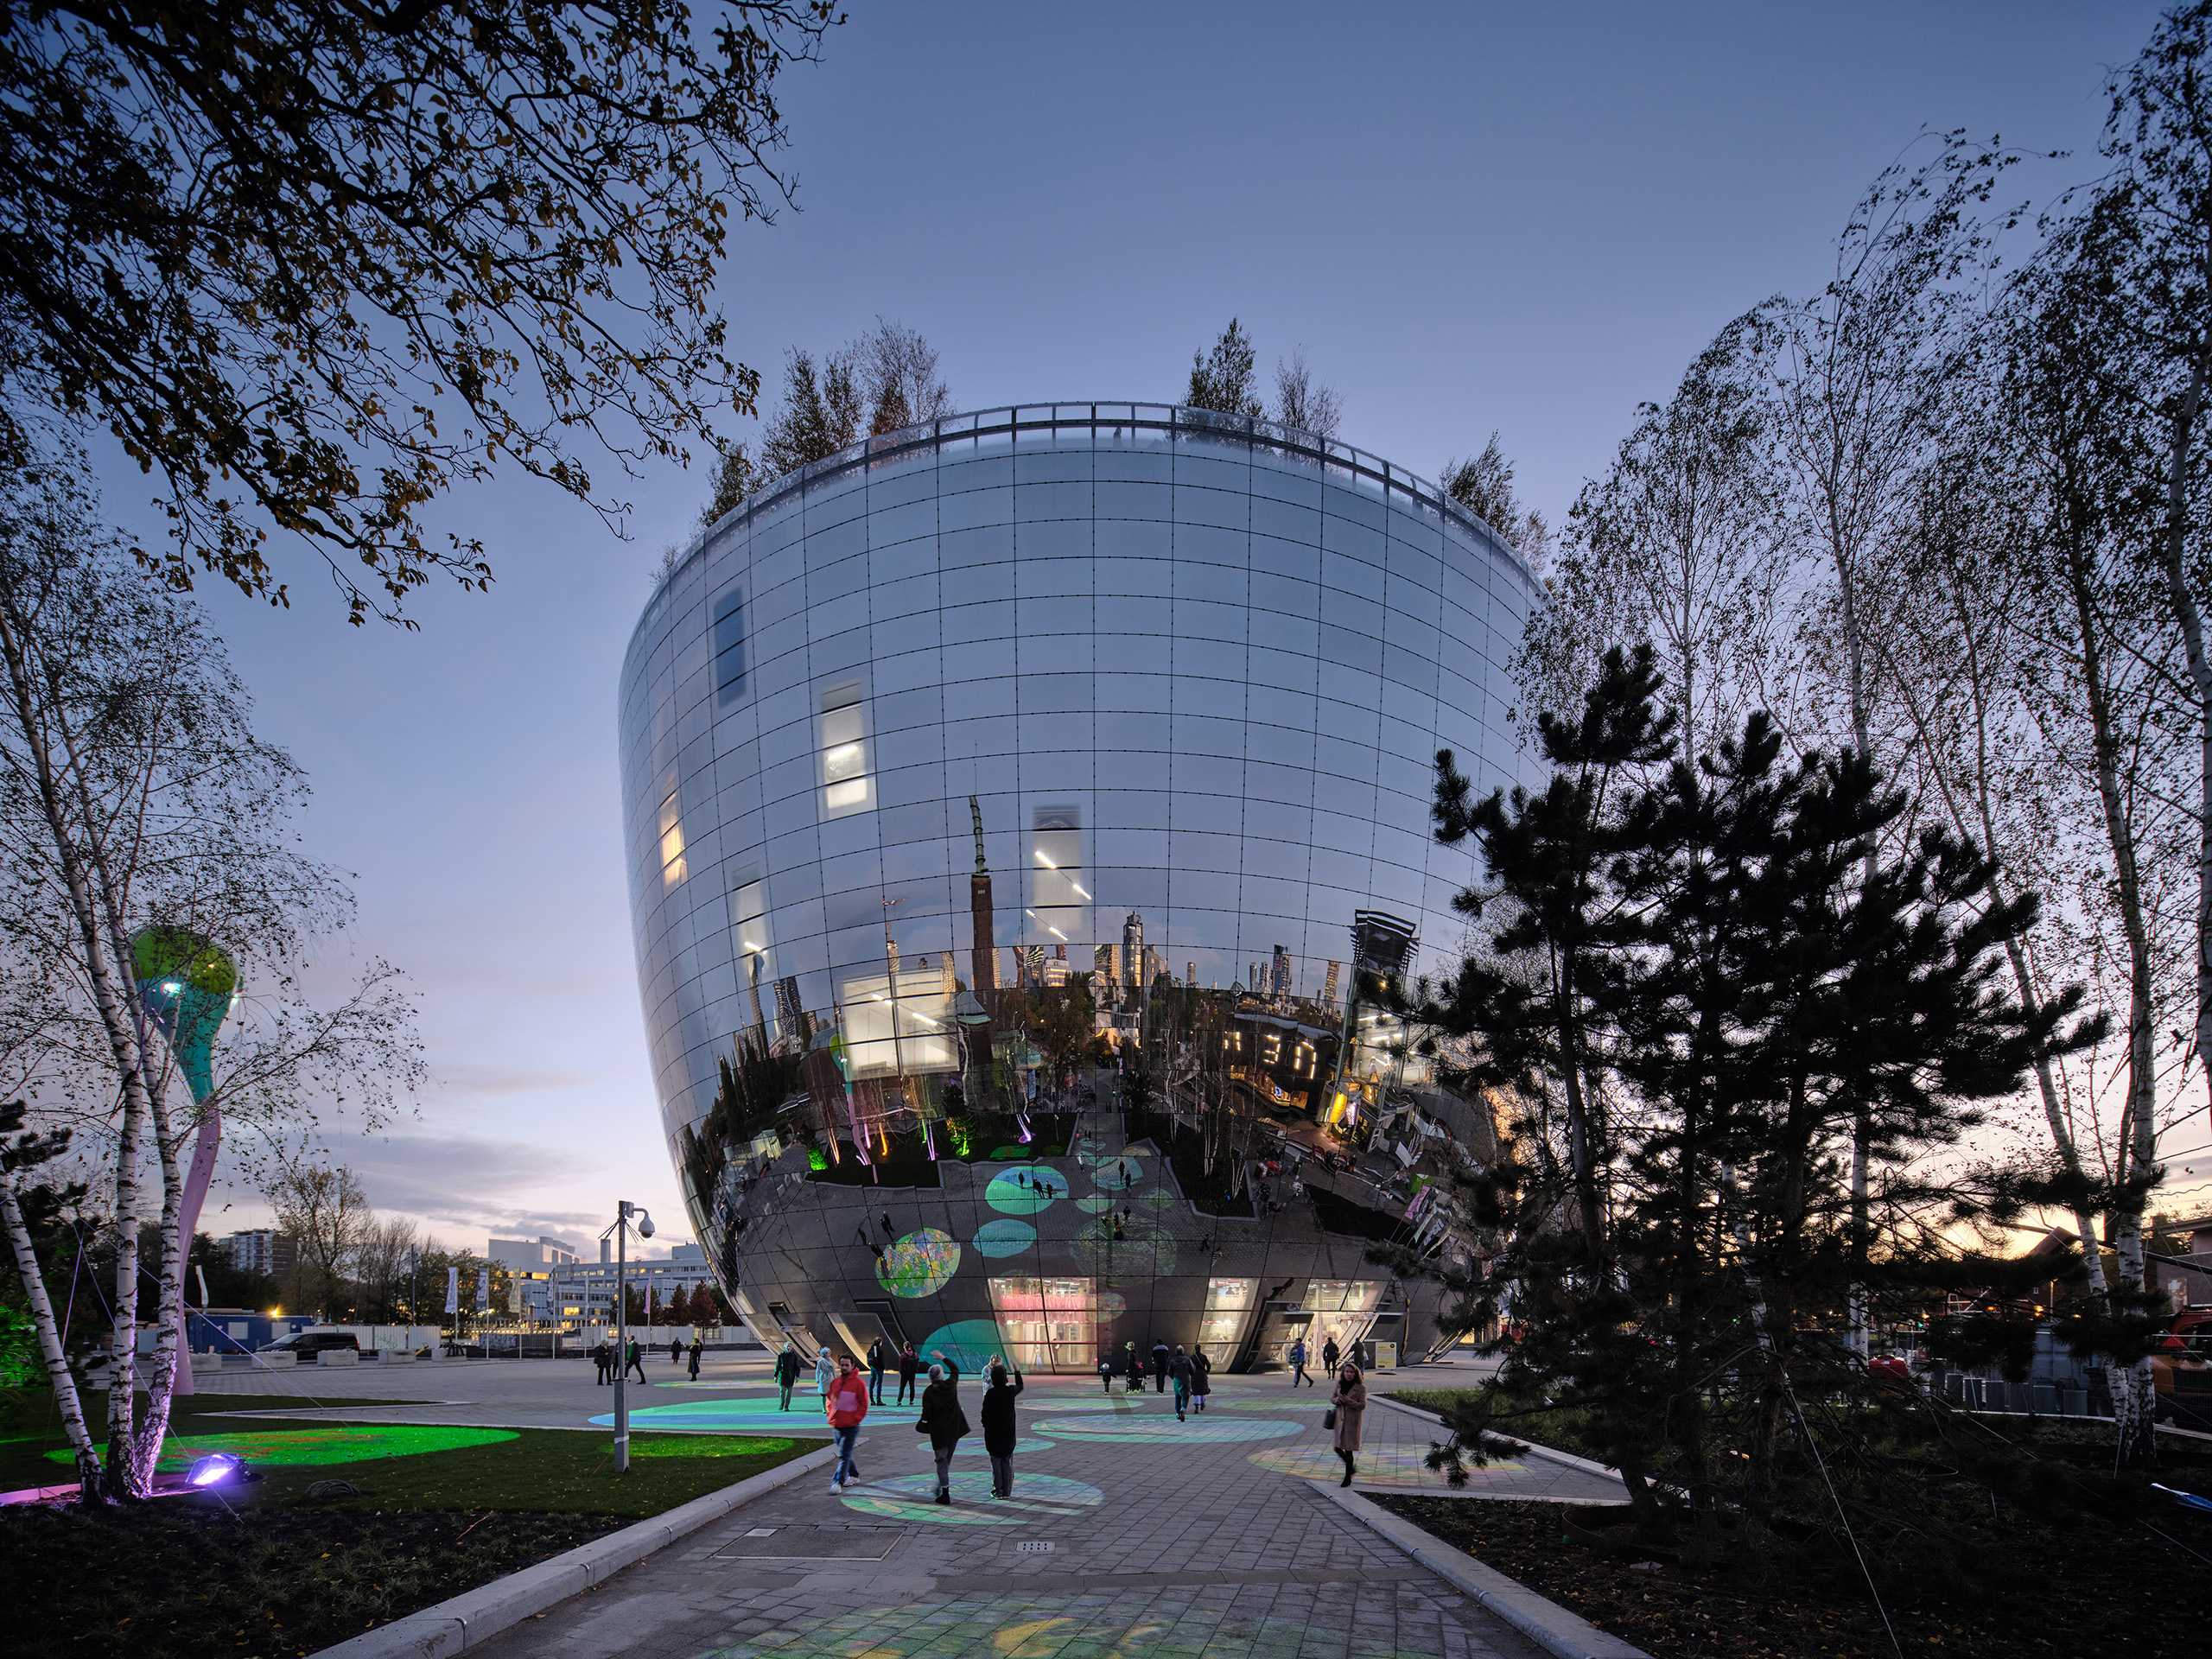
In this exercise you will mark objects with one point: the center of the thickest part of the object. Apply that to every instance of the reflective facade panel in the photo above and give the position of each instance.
(1145, 694)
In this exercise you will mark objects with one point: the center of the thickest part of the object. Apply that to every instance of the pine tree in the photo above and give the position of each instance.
(1226, 380)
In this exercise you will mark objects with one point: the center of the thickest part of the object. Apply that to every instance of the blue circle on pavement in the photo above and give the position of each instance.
(1007, 1238)
(1025, 1192)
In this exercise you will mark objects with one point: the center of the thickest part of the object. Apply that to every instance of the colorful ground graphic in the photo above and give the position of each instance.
(1037, 1498)
(1026, 1190)
(1007, 1238)
(752, 1416)
(920, 1264)
(969, 1343)
(323, 1444)
(1162, 1426)
(1100, 1625)
(1119, 1174)
(1096, 1203)
(1400, 1467)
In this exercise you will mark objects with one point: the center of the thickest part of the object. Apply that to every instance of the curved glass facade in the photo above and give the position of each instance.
(1182, 676)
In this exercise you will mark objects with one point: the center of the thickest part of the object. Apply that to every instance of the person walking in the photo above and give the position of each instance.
(603, 1357)
(1348, 1405)
(999, 1435)
(943, 1421)
(1330, 1354)
(845, 1402)
(675, 1351)
(636, 1360)
(1297, 1357)
(1160, 1368)
(879, 1354)
(1106, 1374)
(1201, 1378)
(697, 1348)
(1179, 1369)
(787, 1368)
(910, 1367)
(1136, 1370)
(825, 1369)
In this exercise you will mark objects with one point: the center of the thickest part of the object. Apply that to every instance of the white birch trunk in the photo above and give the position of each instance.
(49, 1346)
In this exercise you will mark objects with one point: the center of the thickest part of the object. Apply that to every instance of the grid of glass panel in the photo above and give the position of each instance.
(1193, 671)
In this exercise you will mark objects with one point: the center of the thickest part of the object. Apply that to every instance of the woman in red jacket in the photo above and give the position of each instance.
(846, 1402)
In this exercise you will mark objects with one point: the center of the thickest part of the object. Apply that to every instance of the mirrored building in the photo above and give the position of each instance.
(1122, 698)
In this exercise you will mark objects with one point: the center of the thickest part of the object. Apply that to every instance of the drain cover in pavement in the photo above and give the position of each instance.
(812, 1543)
(1042, 1547)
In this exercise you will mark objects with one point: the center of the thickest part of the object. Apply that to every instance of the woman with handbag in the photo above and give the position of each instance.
(943, 1421)
(1346, 1406)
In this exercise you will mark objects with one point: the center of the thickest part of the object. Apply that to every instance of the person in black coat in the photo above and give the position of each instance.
(999, 1435)
(696, 1349)
(1201, 1378)
(943, 1421)
(910, 1367)
(1159, 1367)
(603, 1357)
(1135, 1368)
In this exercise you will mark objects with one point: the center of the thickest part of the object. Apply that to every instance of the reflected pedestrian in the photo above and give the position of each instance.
(1159, 1367)
(889, 1231)
(999, 1437)
(943, 1421)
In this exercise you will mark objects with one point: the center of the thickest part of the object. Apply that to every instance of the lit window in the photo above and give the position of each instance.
(847, 781)
(672, 868)
(730, 647)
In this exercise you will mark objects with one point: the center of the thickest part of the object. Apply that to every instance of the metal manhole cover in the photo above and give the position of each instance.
(812, 1543)
(1034, 1546)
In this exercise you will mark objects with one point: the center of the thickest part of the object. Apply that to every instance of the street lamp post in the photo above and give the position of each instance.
(623, 1212)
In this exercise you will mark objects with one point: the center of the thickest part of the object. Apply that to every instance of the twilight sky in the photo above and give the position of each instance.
(1472, 217)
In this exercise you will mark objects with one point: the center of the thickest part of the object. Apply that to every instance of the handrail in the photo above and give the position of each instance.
(1171, 418)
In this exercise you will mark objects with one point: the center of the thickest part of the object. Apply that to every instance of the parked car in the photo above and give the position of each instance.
(307, 1346)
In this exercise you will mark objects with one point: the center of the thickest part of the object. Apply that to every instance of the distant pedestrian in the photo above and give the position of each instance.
(1159, 1367)
(879, 1355)
(999, 1436)
(787, 1370)
(889, 1231)
(696, 1349)
(1133, 1367)
(910, 1367)
(1201, 1378)
(1350, 1403)
(943, 1421)
(1106, 1374)
(675, 1351)
(825, 1369)
(603, 1357)
(636, 1361)
(1297, 1357)
(1330, 1354)
(1179, 1368)
(845, 1401)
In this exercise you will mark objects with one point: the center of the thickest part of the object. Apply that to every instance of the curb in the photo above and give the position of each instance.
(1544, 1452)
(1550, 1626)
(475, 1615)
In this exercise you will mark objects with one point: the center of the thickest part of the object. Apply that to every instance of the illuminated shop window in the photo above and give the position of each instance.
(1048, 1324)
(847, 778)
(1341, 1295)
(1229, 1302)
(730, 647)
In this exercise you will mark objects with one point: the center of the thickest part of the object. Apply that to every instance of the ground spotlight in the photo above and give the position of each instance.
(214, 1468)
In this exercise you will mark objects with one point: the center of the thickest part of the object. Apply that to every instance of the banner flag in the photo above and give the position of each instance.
(453, 1288)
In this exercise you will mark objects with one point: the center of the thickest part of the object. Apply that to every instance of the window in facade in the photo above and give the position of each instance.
(730, 647)
(672, 866)
(1229, 1302)
(1341, 1295)
(847, 778)
(1050, 1324)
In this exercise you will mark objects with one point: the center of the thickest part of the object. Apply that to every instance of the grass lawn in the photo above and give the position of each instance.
(435, 1512)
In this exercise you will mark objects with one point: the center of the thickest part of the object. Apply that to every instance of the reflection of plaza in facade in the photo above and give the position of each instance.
(925, 740)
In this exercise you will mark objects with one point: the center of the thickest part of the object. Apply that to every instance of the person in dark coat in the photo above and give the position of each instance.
(879, 1355)
(675, 1351)
(1179, 1369)
(943, 1421)
(1350, 1403)
(696, 1349)
(999, 1435)
(1330, 1354)
(636, 1360)
(603, 1357)
(1159, 1367)
(1106, 1375)
(1134, 1370)
(1201, 1378)
(910, 1367)
(787, 1371)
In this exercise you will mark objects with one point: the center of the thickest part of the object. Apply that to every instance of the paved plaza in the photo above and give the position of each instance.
(1129, 1532)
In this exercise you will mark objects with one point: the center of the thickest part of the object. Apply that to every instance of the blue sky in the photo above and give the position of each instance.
(1524, 218)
